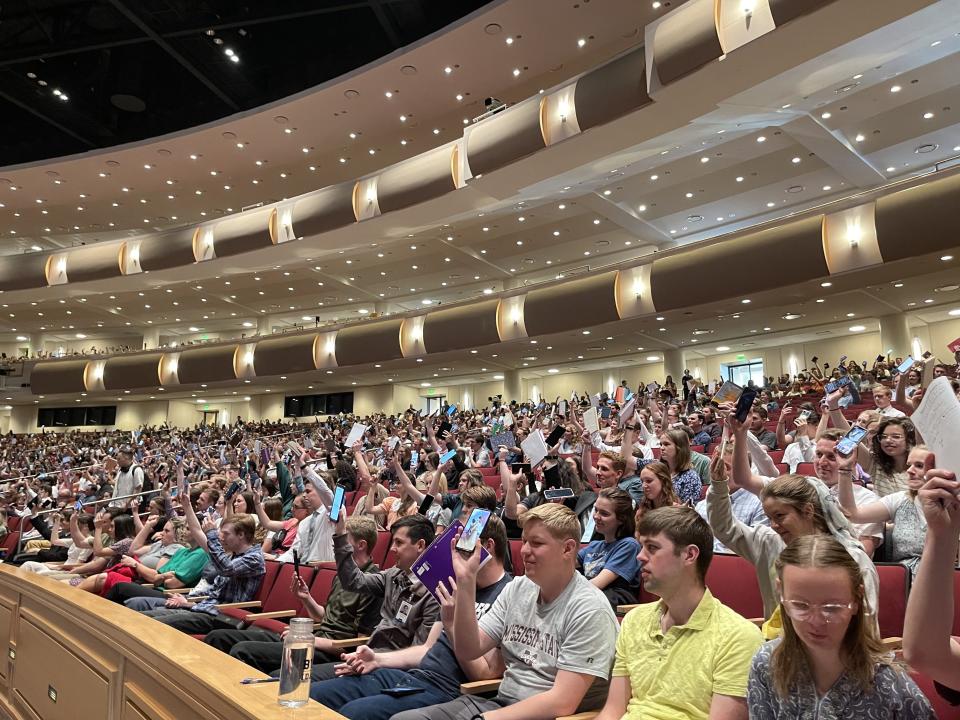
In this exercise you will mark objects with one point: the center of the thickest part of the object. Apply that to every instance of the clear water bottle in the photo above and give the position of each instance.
(296, 664)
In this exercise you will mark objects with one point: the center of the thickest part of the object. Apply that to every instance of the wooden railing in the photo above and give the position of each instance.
(67, 654)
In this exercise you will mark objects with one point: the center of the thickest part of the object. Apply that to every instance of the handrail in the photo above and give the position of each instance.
(73, 649)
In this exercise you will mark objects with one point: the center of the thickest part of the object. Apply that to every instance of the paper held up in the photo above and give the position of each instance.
(535, 447)
(356, 432)
(937, 419)
(590, 420)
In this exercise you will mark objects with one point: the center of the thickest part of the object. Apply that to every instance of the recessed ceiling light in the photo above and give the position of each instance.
(827, 188)
(704, 159)
(509, 41)
(739, 178)
(581, 42)
(820, 300)
(895, 88)
(891, 169)
(606, 192)
(654, 177)
(795, 160)
(857, 328)
(946, 258)
(761, 139)
(652, 358)
(826, 284)
(954, 312)
(642, 208)
(826, 115)
(722, 348)
(388, 94)
(927, 115)
(448, 69)
(860, 137)
(516, 72)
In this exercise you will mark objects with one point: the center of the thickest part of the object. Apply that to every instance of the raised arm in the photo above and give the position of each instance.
(874, 512)
(189, 514)
(782, 439)
(586, 458)
(742, 474)
(927, 643)
(143, 536)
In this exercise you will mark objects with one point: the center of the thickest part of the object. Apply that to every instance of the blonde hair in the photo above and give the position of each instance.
(861, 649)
(363, 527)
(559, 520)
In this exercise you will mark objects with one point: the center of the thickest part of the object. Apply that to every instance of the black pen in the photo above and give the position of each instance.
(257, 681)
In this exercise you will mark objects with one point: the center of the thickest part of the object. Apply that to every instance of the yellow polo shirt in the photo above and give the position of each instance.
(674, 676)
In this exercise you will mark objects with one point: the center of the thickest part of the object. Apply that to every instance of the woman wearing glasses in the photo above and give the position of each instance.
(829, 661)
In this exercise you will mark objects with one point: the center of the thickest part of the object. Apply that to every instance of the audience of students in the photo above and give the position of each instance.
(551, 633)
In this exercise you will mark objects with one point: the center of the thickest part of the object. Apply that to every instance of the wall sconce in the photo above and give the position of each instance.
(854, 233)
(62, 266)
(515, 316)
(747, 6)
(637, 287)
(371, 194)
(172, 365)
(562, 109)
(248, 358)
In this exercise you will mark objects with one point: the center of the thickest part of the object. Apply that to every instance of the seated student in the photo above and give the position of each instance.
(314, 541)
(408, 611)
(829, 662)
(239, 565)
(687, 655)
(554, 630)
(77, 553)
(346, 614)
(611, 471)
(431, 667)
(746, 506)
(657, 489)
(121, 531)
(675, 454)
(610, 563)
(758, 417)
(927, 643)
(883, 399)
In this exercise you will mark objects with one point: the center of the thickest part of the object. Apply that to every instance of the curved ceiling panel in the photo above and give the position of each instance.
(242, 233)
(94, 262)
(504, 138)
(167, 250)
(134, 371)
(758, 261)
(612, 91)
(784, 11)
(324, 210)
(276, 356)
(212, 364)
(919, 220)
(21, 272)
(461, 327)
(63, 376)
(416, 180)
(685, 40)
(370, 342)
(575, 304)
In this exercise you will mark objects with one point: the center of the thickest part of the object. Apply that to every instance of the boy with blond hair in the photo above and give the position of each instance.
(555, 631)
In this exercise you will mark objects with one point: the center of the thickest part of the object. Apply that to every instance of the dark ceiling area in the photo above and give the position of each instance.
(79, 75)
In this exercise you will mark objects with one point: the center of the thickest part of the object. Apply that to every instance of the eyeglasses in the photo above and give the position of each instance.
(828, 612)
(892, 437)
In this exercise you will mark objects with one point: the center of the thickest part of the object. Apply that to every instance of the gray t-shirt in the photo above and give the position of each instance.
(576, 632)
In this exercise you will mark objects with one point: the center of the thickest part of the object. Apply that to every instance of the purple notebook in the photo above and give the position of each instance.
(435, 564)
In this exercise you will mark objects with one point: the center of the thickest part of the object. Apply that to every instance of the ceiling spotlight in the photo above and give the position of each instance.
(946, 258)
(927, 115)
(860, 137)
(509, 41)
(826, 284)
(388, 94)
(739, 178)
(581, 42)
(826, 115)
(448, 69)
(857, 328)
(656, 5)
(761, 139)
(516, 72)
(895, 88)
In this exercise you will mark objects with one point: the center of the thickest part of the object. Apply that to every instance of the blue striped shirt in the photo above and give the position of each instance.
(238, 576)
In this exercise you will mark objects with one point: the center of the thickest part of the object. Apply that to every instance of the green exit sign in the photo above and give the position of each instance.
(206, 407)
(431, 391)
(741, 357)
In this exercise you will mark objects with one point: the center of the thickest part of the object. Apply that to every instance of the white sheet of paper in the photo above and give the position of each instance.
(356, 432)
(508, 420)
(626, 412)
(393, 442)
(937, 419)
(595, 400)
(535, 447)
(590, 420)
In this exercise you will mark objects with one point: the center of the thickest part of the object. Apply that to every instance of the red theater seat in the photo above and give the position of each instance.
(733, 581)
(894, 588)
